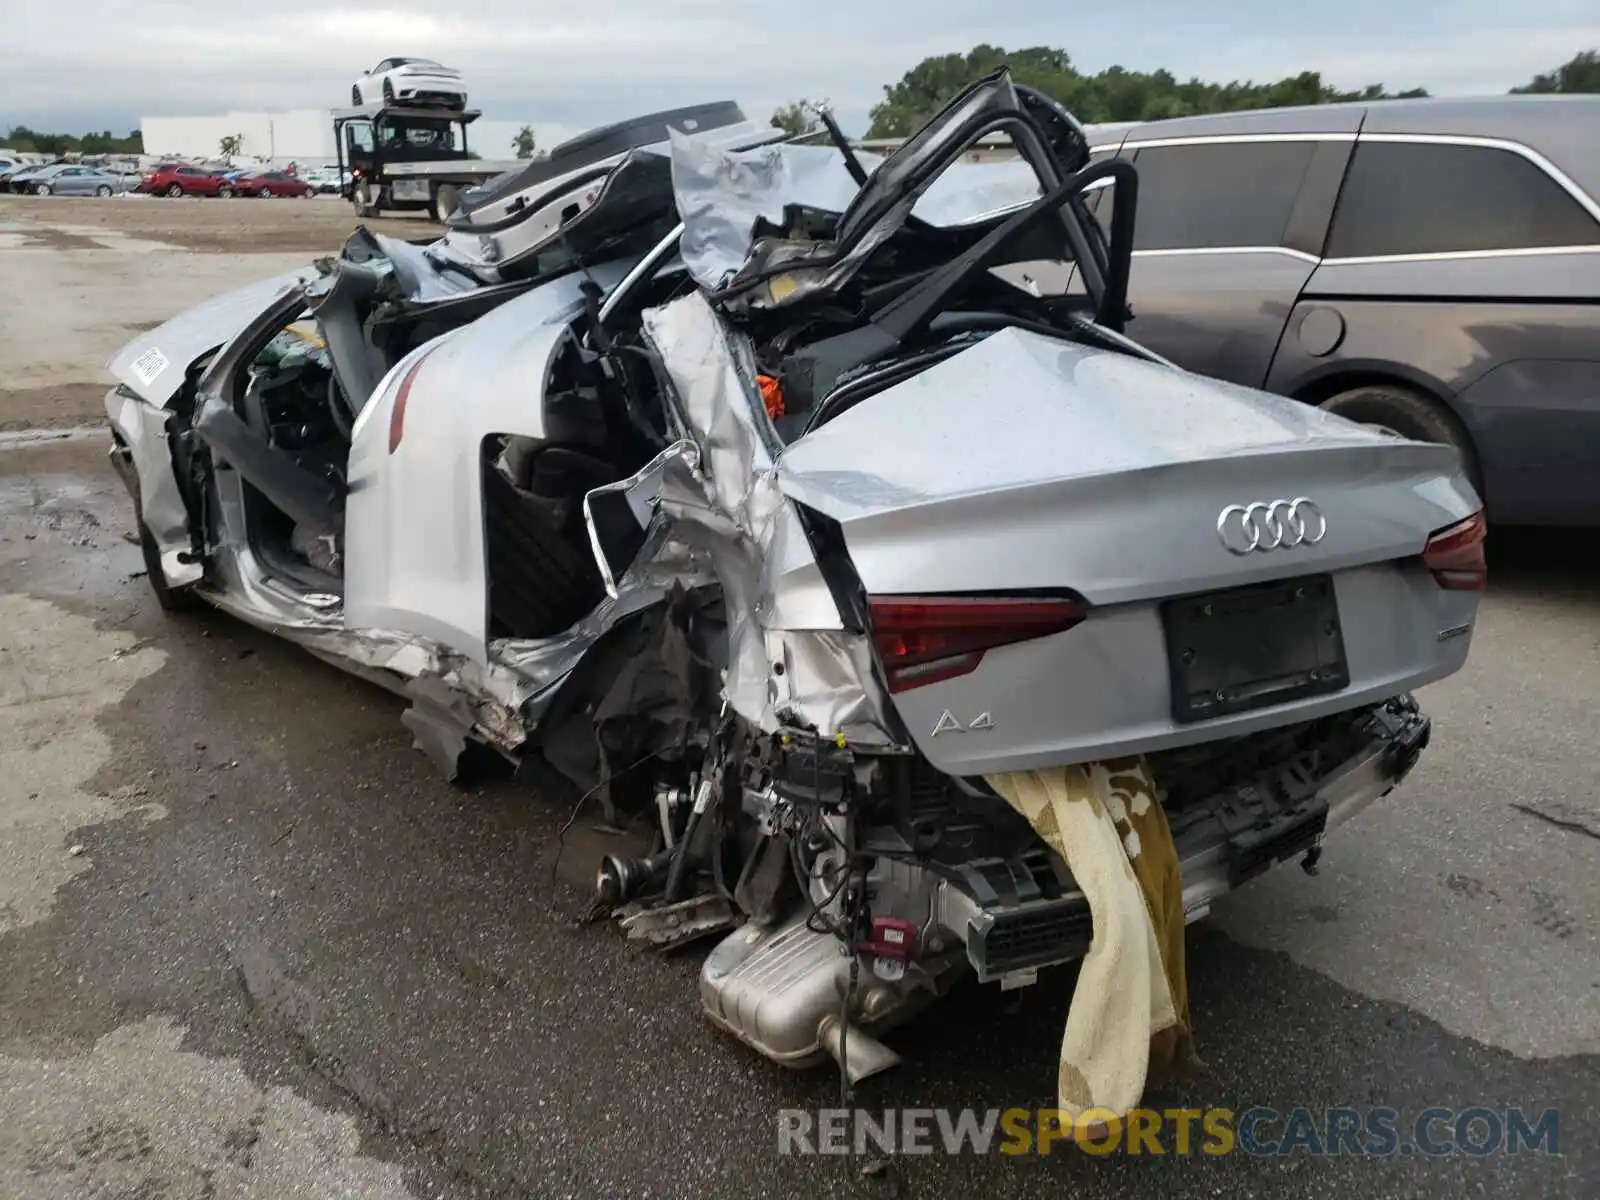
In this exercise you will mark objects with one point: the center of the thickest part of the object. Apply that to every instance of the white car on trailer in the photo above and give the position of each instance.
(410, 81)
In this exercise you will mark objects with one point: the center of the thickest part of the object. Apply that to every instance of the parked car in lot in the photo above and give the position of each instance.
(1431, 267)
(772, 513)
(410, 81)
(327, 180)
(76, 180)
(19, 179)
(181, 179)
(274, 183)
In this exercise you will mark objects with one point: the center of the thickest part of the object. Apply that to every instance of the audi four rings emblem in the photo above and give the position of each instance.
(1271, 525)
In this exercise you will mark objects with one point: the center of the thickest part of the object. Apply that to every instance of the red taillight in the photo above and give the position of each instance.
(923, 639)
(397, 413)
(1455, 555)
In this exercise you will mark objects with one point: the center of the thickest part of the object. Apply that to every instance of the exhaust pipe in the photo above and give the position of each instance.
(867, 1055)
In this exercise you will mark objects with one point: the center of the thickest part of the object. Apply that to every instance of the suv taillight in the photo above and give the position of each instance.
(925, 639)
(1455, 554)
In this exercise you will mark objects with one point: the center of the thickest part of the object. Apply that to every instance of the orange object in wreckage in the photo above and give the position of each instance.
(771, 395)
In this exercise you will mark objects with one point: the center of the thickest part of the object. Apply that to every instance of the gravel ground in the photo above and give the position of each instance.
(82, 276)
(252, 946)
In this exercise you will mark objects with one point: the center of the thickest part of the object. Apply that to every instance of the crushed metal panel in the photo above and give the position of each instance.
(736, 514)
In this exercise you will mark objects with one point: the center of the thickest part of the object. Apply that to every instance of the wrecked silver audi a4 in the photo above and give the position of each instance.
(796, 494)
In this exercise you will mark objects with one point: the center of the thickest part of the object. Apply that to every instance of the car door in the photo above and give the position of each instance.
(372, 85)
(1229, 229)
(422, 554)
(1467, 269)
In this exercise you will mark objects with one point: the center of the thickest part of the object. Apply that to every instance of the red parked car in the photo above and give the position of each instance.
(179, 179)
(274, 183)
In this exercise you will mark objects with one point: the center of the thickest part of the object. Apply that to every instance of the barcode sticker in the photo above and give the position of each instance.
(148, 365)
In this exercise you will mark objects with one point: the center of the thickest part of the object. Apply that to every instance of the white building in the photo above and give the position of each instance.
(302, 135)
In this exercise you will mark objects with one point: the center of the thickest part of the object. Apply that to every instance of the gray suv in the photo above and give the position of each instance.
(1430, 266)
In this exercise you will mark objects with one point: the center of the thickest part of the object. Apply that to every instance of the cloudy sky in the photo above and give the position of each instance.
(73, 65)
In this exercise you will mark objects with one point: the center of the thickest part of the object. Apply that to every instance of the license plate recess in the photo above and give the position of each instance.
(1249, 647)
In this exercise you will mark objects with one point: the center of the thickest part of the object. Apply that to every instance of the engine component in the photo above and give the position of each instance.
(620, 880)
(779, 991)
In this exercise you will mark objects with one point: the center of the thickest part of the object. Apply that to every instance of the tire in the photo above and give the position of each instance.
(1411, 414)
(103, 191)
(224, 193)
(445, 202)
(355, 96)
(175, 190)
(388, 92)
(41, 189)
(171, 599)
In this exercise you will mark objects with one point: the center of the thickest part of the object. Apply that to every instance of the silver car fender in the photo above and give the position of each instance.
(142, 428)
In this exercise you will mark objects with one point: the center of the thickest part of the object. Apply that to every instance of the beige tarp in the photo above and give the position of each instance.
(1128, 1024)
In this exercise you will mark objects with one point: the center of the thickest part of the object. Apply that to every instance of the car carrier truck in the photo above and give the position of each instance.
(401, 157)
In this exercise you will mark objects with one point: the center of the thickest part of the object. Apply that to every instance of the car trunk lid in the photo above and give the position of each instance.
(1027, 462)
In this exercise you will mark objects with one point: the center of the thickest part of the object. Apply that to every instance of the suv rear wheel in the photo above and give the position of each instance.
(1411, 414)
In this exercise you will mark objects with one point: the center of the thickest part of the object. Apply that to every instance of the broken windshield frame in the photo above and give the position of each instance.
(915, 309)
(781, 269)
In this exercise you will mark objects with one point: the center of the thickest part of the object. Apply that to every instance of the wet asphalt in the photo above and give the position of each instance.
(252, 946)
(310, 899)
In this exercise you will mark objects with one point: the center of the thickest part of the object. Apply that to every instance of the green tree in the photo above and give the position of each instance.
(230, 145)
(523, 143)
(29, 140)
(1114, 94)
(795, 119)
(1580, 74)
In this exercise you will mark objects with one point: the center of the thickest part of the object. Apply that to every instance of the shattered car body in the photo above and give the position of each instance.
(503, 228)
(782, 532)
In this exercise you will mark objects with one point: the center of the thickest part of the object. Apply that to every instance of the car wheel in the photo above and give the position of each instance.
(1410, 414)
(103, 190)
(171, 599)
(175, 190)
(225, 193)
(388, 92)
(355, 96)
(41, 189)
(445, 202)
